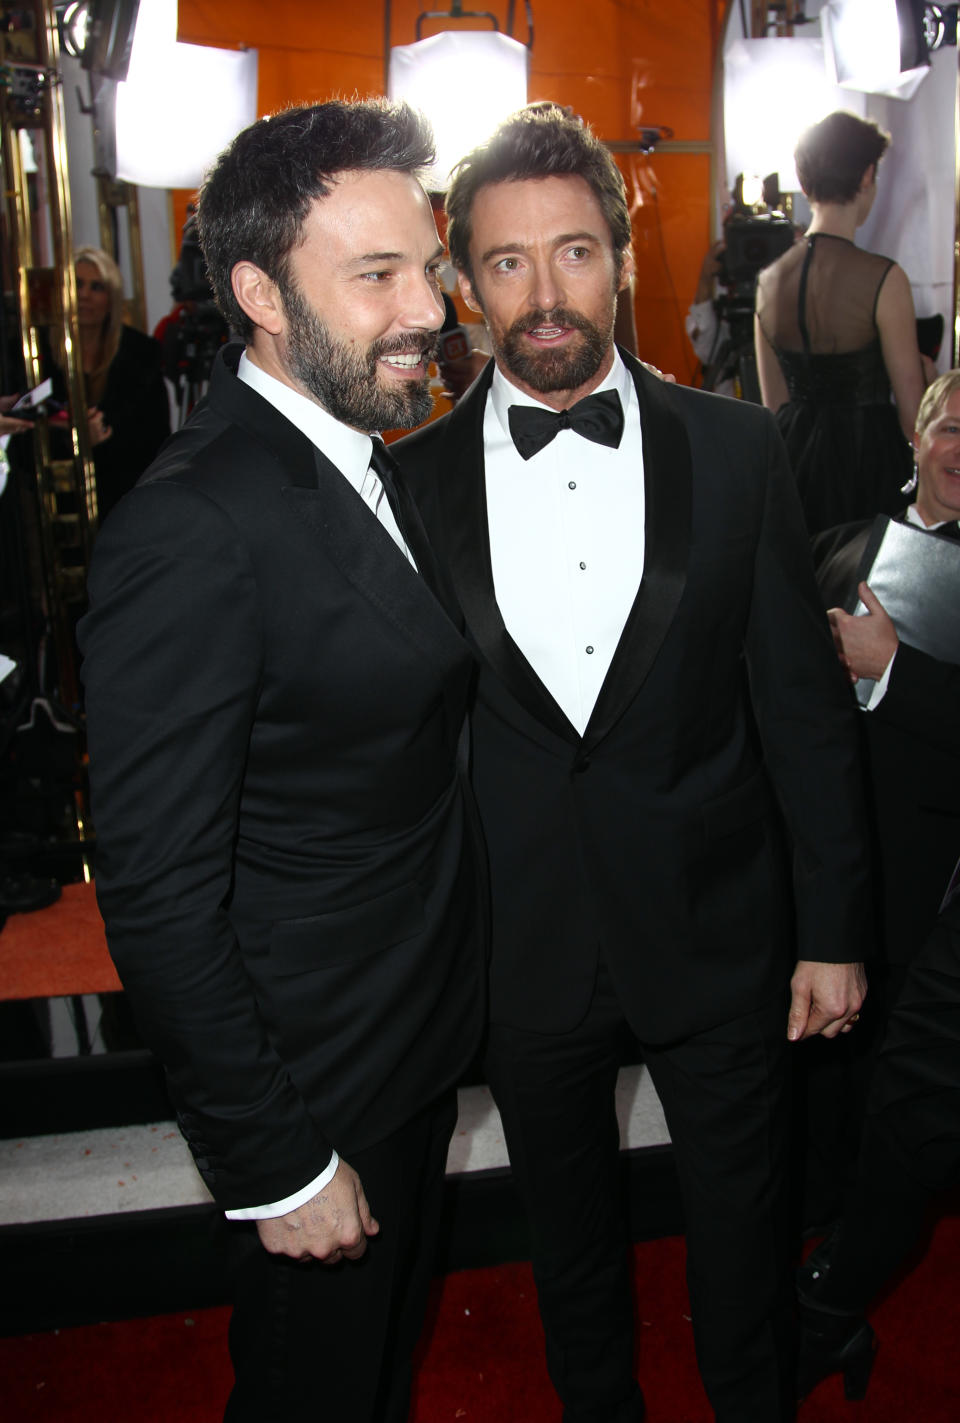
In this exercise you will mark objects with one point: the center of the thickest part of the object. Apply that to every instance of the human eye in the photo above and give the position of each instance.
(376, 277)
(507, 264)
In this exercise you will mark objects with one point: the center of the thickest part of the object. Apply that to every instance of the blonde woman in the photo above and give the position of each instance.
(128, 410)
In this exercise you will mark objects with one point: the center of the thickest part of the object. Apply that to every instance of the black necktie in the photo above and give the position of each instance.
(384, 467)
(598, 417)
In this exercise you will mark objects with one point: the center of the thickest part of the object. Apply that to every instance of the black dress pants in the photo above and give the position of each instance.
(911, 1139)
(311, 1341)
(723, 1095)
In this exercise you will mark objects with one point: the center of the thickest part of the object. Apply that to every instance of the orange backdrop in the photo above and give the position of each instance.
(619, 63)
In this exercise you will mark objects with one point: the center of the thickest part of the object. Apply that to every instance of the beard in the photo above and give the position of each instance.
(547, 371)
(346, 380)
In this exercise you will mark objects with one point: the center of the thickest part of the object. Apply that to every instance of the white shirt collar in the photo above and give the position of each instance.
(503, 393)
(913, 517)
(344, 447)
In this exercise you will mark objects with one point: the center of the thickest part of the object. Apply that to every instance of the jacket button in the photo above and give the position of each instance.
(582, 765)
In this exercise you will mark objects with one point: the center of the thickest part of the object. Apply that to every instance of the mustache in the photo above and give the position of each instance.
(559, 316)
(425, 342)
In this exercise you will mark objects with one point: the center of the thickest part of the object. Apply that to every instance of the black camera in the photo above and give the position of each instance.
(752, 241)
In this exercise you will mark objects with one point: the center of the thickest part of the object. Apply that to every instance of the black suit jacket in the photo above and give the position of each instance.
(285, 861)
(913, 759)
(653, 838)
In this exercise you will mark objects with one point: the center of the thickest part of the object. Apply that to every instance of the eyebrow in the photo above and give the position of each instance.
(369, 257)
(504, 248)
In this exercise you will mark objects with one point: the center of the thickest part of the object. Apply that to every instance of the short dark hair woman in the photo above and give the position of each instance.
(835, 332)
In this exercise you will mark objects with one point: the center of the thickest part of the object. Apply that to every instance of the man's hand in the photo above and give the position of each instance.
(864, 644)
(825, 998)
(656, 371)
(334, 1224)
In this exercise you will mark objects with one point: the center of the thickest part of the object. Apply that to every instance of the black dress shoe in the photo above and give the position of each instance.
(832, 1341)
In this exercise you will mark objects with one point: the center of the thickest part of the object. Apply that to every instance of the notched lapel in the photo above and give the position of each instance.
(668, 494)
(368, 557)
(466, 540)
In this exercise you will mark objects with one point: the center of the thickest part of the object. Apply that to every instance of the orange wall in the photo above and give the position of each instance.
(633, 62)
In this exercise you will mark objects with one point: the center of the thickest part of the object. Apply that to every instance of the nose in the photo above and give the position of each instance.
(423, 309)
(545, 291)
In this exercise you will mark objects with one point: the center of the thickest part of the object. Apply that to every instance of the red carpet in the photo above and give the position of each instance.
(483, 1362)
(56, 952)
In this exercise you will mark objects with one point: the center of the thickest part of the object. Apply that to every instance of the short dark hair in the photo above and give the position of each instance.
(256, 197)
(833, 155)
(540, 141)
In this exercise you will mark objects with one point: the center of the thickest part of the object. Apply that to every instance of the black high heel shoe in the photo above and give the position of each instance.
(832, 1340)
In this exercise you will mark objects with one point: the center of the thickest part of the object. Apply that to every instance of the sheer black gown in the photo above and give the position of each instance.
(817, 308)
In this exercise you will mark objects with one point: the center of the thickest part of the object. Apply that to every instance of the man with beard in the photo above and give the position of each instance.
(275, 698)
(655, 671)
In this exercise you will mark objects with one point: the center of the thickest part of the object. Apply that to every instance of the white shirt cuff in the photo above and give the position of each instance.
(291, 1203)
(880, 686)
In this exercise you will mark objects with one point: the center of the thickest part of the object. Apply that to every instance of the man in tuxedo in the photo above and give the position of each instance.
(632, 568)
(910, 722)
(275, 698)
(908, 731)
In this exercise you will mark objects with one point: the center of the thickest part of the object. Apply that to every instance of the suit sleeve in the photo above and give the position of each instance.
(806, 720)
(923, 699)
(173, 651)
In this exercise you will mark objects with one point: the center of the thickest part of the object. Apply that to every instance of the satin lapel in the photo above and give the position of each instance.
(668, 493)
(466, 539)
(368, 557)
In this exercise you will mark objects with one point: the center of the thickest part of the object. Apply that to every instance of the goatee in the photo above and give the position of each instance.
(346, 380)
(565, 369)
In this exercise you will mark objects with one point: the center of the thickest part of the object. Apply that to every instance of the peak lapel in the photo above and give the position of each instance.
(318, 493)
(668, 492)
(368, 557)
(466, 538)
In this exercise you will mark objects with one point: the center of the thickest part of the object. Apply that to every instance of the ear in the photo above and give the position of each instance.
(467, 292)
(628, 269)
(258, 297)
(868, 177)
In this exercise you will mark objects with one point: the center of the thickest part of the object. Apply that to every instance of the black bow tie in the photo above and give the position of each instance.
(598, 417)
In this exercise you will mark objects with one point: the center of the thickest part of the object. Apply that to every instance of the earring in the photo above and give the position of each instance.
(911, 483)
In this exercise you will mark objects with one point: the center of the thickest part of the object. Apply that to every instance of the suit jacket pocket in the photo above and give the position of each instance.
(322, 940)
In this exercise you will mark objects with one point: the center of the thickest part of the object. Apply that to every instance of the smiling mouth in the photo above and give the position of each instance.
(548, 333)
(404, 361)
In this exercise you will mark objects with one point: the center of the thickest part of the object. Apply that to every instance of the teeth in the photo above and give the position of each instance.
(547, 333)
(406, 361)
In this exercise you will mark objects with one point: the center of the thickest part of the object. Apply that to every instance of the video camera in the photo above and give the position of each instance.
(752, 240)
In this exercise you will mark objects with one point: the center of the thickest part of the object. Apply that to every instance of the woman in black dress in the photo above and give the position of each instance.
(834, 332)
(128, 414)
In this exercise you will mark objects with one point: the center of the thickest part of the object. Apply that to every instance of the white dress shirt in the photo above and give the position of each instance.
(349, 450)
(566, 543)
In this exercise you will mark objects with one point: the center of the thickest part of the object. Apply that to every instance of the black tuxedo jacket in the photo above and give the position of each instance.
(652, 839)
(913, 757)
(286, 865)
